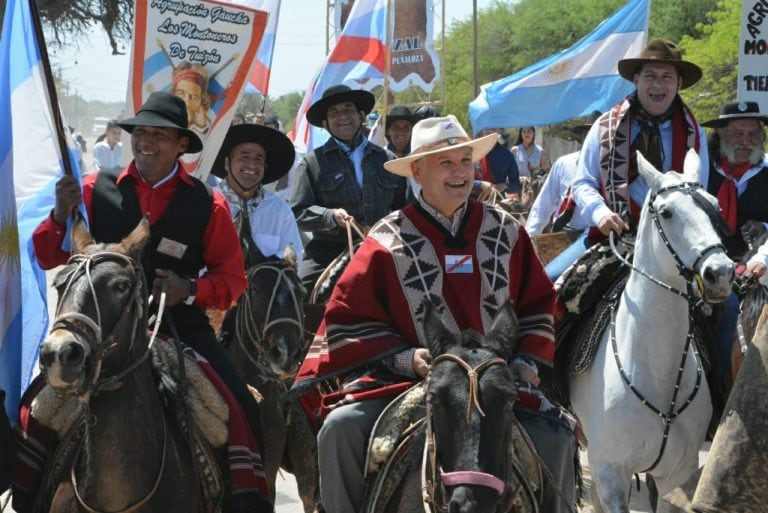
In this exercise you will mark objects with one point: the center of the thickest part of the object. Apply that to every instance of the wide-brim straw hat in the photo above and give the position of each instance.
(435, 135)
(280, 151)
(737, 110)
(662, 51)
(164, 110)
(334, 95)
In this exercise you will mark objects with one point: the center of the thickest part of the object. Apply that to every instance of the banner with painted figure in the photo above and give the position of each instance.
(753, 54)
(201, 51)
(413, 58)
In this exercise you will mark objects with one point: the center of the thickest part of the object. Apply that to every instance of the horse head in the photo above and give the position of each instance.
(102, 293)
(688, 228)
(470, 395)
(270, 316)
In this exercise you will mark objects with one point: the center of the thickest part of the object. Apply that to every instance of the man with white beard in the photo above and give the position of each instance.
(738, 176)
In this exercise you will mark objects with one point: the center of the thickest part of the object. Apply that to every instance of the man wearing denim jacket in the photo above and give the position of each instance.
(342, 181)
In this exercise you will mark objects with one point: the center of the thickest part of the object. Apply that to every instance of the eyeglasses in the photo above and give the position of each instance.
(667, 79)
(739, 135)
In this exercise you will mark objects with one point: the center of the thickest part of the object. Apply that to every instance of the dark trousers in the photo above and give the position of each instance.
(317, 255)
(194, 330)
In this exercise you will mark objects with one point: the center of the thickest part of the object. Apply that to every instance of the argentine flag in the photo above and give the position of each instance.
(30, 164)
(569, 84)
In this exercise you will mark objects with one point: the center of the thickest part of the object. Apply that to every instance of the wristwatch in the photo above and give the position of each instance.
(192, 291)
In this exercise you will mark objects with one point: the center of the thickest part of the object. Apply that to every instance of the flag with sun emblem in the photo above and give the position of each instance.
(573, 83)
(30, 165)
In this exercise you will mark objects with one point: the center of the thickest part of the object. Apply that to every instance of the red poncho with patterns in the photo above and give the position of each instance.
(407, 259)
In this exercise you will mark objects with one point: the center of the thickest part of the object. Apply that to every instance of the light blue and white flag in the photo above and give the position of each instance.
(30, 164)
(569, 84)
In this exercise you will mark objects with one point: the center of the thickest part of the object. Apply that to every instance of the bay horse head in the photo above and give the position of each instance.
(686, 240)
(101, 319)
(470, 395)
(269, 317)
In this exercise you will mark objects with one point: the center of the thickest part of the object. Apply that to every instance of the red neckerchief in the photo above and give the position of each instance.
(726, 195)
(485, 171)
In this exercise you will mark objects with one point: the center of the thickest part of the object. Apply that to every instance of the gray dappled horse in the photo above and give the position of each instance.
(131, 454)
(266, 340)
(469, 463)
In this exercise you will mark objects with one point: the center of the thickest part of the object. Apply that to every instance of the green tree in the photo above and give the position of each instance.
(715, 50)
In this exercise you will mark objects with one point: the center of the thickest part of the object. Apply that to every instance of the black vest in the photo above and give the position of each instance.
(751, 205)
(116, 213)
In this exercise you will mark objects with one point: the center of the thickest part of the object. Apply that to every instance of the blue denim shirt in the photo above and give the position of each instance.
(331, 184)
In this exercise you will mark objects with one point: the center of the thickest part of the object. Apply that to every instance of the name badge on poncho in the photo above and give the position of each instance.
(458, 264)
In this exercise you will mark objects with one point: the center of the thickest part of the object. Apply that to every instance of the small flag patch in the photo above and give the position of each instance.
(458, 264)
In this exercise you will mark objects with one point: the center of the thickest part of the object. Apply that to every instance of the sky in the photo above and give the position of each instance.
(95, 74)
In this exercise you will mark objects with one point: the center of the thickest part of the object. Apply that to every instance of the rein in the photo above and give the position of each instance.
(246, 326)
(693, 296)
(468, 477)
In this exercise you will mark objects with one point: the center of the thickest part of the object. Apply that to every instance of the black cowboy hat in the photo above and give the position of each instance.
(279, 149)
(737, 110)
(581, 129)
(334, 95)
(164, 110)
(662, 51)
(401, 113)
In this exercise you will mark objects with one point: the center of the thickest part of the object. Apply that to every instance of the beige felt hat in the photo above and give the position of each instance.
(434, 135)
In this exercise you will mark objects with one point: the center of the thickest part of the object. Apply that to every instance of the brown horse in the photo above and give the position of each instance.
(126, 452)
(266, 340)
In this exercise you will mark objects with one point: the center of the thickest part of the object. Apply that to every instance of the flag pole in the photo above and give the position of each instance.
(442, 57)
(387, 65)
(474, 48)
(51, 86)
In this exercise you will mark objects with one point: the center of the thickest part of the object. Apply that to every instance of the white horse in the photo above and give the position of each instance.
(623, 399)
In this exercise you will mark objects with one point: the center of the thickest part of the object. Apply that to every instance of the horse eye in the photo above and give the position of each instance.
(122, 286)
(666, 214)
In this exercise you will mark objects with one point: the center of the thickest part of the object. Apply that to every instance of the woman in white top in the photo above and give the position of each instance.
(531, 158)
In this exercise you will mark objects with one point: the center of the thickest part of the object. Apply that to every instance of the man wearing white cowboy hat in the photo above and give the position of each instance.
(191, 230)
(250, 157)
(373, 333)
(653, 120)
(342, 181)
(738, 177)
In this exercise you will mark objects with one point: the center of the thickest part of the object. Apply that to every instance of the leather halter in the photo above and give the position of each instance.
(461, 477)
(246, 326)
(103, 346)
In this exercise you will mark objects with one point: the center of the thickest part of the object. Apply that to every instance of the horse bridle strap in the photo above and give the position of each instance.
(473, 477)
(472, 373)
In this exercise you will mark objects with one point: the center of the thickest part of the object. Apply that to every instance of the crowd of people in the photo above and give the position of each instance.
(425, 233)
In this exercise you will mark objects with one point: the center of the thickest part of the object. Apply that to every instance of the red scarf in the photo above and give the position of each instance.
(726, 195)
(484, 172)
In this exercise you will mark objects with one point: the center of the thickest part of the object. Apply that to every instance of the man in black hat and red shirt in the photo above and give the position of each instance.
(344, 180)
(191, 230)
(738, 177)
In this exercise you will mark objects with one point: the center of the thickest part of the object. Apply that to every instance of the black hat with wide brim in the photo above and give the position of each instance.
(401, 113)
(662, 51)
(164, 110)
(584, 128)
(736, 110)
(334, 95)
(279, 149)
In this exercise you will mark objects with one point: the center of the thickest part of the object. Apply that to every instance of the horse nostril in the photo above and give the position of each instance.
(71, 355)
(47, 356)
(709, 276)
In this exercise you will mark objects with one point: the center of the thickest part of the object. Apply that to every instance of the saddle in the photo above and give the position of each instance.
(396, 446)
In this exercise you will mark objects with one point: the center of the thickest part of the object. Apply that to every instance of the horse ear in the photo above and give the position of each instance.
(438, 335)
(651, 174)
(504, 329)
(134, 243)
(81, 237)
(692, 167)
(289, 255)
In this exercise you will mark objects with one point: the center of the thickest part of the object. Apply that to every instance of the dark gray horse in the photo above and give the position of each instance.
(265, 336)
(473, 461)
(127, 452)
